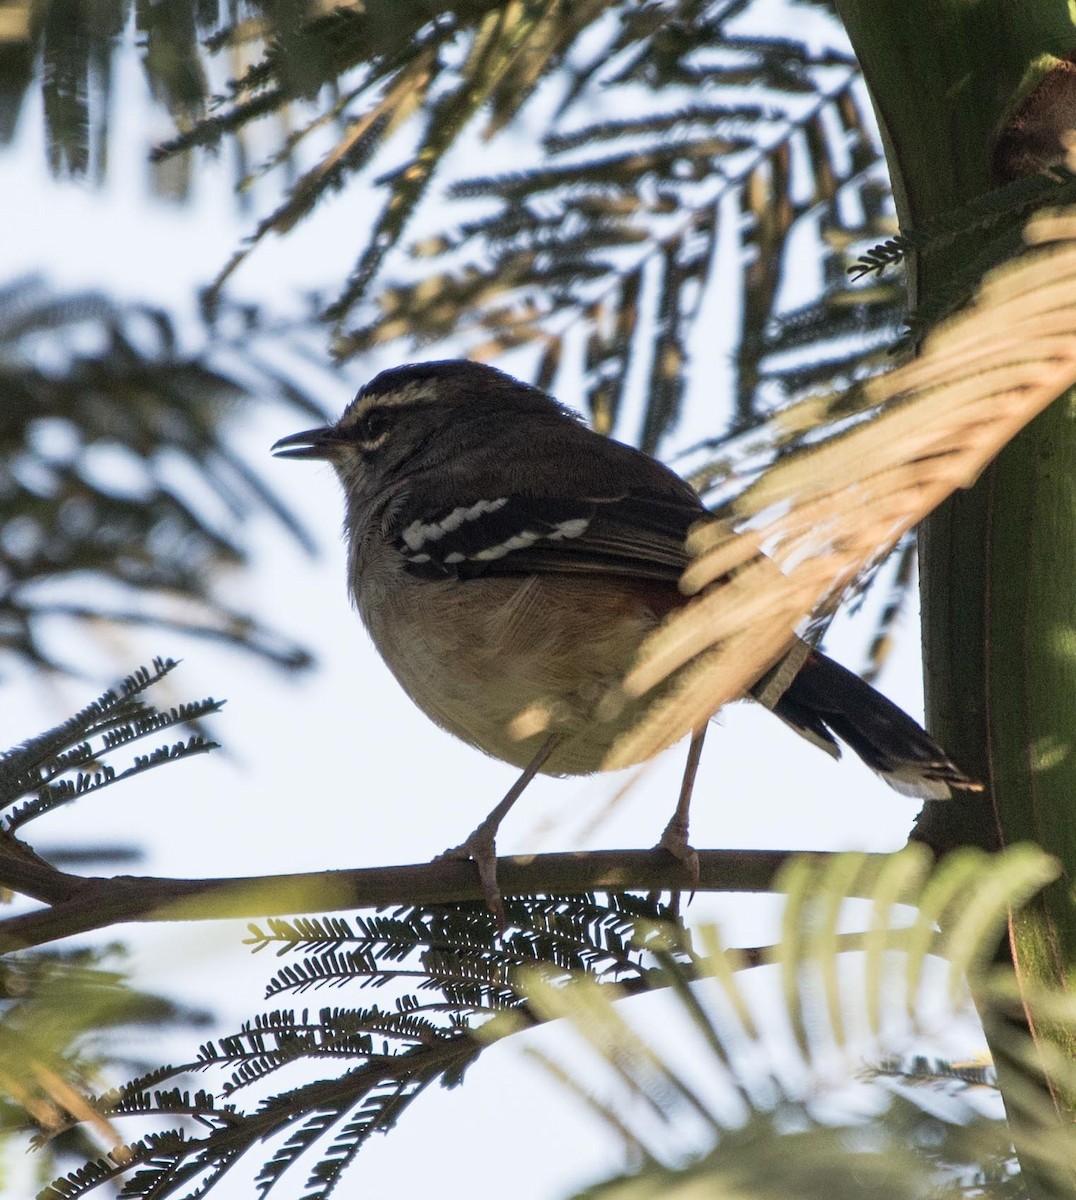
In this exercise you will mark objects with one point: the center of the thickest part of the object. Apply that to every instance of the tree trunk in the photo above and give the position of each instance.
(970, 94)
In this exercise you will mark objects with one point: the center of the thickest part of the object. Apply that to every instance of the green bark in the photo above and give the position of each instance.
(998, 561)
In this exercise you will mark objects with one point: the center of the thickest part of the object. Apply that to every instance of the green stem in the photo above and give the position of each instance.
(998, 561)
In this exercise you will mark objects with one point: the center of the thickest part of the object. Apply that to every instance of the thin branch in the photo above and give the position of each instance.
(90, 903)
(24, 871)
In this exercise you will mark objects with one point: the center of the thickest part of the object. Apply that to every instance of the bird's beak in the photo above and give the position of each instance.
(311, 443)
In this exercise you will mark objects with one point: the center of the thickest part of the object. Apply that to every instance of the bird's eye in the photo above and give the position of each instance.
(373, 427)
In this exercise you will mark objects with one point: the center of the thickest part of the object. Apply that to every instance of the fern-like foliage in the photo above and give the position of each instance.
(449, 974)
(753, 1105)
(627, 237)
(601, 249)
(76, 757)
(67, 1014)
(73, 47)
(637, 252)
(631, 254)
(615, 242)
(886, 254)
(68, 1017)
(97, 404)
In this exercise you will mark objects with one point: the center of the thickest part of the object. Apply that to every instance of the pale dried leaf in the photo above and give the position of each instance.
(829, 512)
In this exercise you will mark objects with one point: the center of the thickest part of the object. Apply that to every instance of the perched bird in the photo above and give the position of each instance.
(502, 555)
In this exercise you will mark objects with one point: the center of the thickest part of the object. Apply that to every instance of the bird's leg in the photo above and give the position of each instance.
(674, 839)
(480, 846)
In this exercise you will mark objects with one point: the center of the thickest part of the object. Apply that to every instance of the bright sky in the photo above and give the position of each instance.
(335, 768)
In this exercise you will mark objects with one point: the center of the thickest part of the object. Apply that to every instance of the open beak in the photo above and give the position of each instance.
(311, 443)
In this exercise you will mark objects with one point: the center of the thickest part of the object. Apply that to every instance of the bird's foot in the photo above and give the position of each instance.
(674, 840)
(481, 848)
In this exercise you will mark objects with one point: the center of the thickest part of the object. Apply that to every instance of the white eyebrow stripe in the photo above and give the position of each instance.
(418, 533)
(410, 393)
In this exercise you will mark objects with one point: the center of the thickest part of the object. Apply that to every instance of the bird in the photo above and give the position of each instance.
(504, 556)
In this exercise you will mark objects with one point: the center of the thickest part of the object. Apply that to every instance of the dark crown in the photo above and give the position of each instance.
(458, 370)
(457, 379)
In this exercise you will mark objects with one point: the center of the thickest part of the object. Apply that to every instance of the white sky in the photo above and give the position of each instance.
(335, 768)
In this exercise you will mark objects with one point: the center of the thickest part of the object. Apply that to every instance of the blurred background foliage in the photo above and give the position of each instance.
(121, 497)
(636, 198)
(668, 162)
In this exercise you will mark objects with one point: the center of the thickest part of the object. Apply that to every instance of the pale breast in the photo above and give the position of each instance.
(474, 655)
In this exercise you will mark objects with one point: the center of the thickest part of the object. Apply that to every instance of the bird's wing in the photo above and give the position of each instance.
(639, 534)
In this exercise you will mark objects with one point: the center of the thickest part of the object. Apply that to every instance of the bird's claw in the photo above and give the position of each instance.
(674, 841)
(481, 849)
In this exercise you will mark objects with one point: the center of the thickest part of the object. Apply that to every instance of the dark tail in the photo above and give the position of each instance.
(825, 701)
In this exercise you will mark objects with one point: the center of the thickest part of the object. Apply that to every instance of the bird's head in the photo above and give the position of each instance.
(416, 414)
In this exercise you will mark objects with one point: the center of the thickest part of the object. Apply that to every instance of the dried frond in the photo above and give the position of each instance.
(803, 533)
